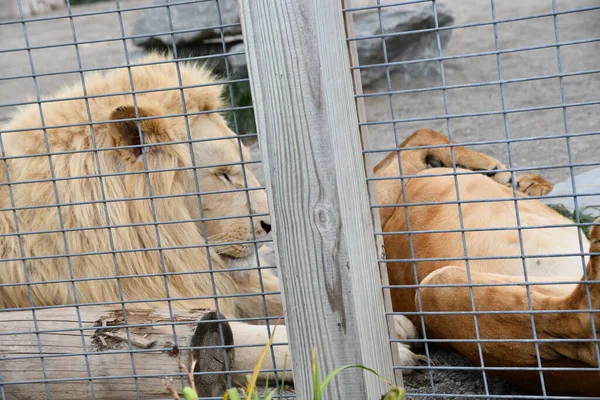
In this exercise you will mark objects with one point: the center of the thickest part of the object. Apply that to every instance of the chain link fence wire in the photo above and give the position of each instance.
(516, 81)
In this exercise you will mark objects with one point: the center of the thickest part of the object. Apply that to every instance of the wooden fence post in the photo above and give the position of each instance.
(299, 67)
(368, 142)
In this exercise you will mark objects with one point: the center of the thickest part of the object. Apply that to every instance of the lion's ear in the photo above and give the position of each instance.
(126, 133)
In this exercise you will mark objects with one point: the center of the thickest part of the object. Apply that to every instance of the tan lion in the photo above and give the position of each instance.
(552, 253)
(551, 244)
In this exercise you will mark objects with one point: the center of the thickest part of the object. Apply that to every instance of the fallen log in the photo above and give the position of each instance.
(69, 353)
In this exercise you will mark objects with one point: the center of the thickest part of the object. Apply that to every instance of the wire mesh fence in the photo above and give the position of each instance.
(512, 81)
(130, 206)
(133, 203)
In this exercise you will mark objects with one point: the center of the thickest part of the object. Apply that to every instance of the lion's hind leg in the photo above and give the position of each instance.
(508, 330)
(447, 302)
(586, 294)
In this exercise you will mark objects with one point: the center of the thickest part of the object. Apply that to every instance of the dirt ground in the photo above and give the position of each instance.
(544, 94)
(50, 64)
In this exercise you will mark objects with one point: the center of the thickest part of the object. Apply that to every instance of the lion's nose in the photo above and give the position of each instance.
(266, 226)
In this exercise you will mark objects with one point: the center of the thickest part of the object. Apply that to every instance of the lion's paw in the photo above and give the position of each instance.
(408, 359)
(533, 185)
(404, 327)
(504, 177)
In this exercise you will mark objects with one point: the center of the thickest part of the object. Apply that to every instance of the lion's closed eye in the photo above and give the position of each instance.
(229, 174)
(225, 175)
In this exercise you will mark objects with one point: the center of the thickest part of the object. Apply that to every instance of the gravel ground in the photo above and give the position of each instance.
(456, 382)
(551, 152)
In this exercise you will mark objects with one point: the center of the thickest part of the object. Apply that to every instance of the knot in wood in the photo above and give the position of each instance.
(323, 218)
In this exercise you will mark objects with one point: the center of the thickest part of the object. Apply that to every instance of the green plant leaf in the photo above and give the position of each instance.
(316, 381)
(281, 393)
(267, 383)
(232, 394)
(189, 393)
(336, 371)
(270, 395)
(240, 95)
(395, 393)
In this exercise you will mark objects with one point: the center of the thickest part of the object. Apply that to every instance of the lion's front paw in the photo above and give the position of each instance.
(533, 185)
(408, 358)
(404, 327)
(504, 177)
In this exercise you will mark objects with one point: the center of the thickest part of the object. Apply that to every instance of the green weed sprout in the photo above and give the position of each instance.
(189, 392)
(250, 393)
(395, 393)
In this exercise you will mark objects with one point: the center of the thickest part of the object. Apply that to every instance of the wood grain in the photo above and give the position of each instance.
(308, 130)
(368, 142)
(66, 368)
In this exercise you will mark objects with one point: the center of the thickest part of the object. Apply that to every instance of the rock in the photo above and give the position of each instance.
(237, 63)
(10, 9)
(586, 183)
(401, 47)
(200, 20)
(199, 40)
